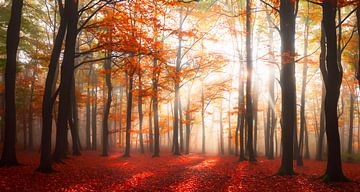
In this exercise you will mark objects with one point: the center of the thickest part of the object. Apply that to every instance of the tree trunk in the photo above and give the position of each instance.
(332, 84)
(105, 123)
(8, 157)
(128, 115)
(67, 75)
(203, 118)
(49, 98)
(188, 121)
(319, 147)
(155, 79)
(151, 135)
(120, 115)
(177, 90)
(351, 126)
(288, 86)
(181, 128)
(30, 116)
(221, 131)
(94, 118)
(303, 92)
(74, 123)
(307, 150)
(87, 116)
(249, 100)
(270, 126)
(141, 115)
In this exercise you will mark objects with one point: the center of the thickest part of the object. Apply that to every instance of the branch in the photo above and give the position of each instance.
(347, 16)
(348, 41)
(316, 3)
(307, 55)
(277, 10)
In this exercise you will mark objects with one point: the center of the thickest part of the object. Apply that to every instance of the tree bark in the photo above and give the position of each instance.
(249, 100)
(151, 134)
(49, 98)
(105, 123)
(88, 114)
(319, 147)
(128, 115)
(94, 117)
(141, 115)
(181, 128)
(74, 123)
(155, 79)
(351, 126)
(288, 87)
(67, 75)
(188, 122)
(303, 92)
(8, 157)
(332, 84)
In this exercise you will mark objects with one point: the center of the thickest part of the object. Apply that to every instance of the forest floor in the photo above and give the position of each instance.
(91, 172)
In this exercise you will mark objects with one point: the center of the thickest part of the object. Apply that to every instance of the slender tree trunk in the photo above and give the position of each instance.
(120, 115)
(49, 98)
(88, 114)
(105, 134)
(67, 75)
(255, 115)
(303, 92)
(181, 128)
(351, 126)
(229, 125)
(249, 100)
(177, 90)
(319, 147)
(8, 157)
(155, 101)
(74, 123)
(288, 86)
(203, 118)
(307, 150)
(188, 121)
(332, 84)
(30, 116)
(151, 135)
(94, 118)
(128, 115)
(270, 126)
(141, 115)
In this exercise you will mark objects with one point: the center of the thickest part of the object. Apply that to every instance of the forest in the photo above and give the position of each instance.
(180, 95)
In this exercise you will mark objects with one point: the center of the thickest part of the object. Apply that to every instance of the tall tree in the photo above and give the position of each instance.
(332, 81)
(249, 68)
(49, 97)
(303, 90)
(105, 123)
(8, 157)
(67, 75)
(320, 142)
(288, 12)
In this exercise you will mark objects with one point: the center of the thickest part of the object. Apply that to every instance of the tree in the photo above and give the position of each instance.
(332, 81)
(249, 100)
(8, 157)
(49, 97)
(67, 75)
(288, 12)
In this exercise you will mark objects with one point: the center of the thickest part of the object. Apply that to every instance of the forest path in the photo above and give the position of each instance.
(194, 172)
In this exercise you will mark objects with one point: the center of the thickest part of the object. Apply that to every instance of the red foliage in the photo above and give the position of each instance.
(91, 172)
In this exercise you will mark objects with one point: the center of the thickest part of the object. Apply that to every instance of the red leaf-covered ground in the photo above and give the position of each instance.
(91, 172)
